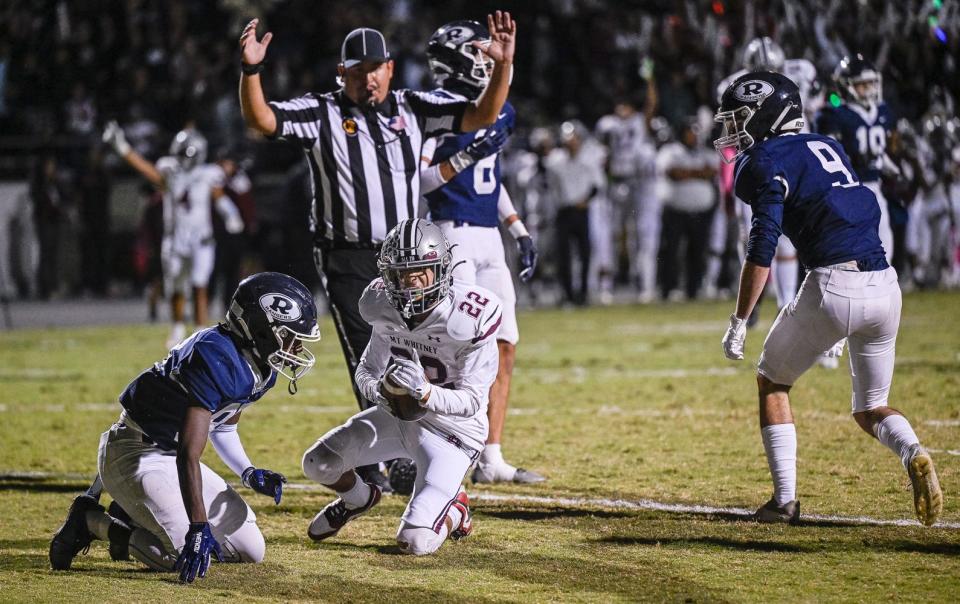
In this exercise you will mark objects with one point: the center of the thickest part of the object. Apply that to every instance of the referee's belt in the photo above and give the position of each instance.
(326, 245)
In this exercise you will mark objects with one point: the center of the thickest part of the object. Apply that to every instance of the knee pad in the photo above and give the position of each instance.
(418, 541)
(246, 544)
(322, 464)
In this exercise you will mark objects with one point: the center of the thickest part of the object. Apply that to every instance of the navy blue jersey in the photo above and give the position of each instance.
(470, 196)
(205, 370)
(802, 185)
(862, 133)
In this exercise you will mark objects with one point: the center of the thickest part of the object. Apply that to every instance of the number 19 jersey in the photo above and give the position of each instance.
(471, 196)
(804, 186)
(457, 347)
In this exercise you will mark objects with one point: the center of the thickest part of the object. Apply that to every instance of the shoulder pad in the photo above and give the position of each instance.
(374, 305)
(476, 313)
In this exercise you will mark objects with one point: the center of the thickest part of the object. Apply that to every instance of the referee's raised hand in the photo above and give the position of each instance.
(503, 36)
(253, 51)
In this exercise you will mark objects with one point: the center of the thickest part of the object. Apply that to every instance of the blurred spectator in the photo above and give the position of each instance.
(575, 174)
(17, 244)
(232, 242)
(690, 169)
(49, 213)
(94, 185)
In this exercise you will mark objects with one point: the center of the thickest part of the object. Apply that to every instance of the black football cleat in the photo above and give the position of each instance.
(771, 513)
(336, 514)
(74, 536)
(403, 475)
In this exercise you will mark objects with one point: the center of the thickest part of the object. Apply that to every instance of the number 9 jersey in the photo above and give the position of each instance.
(804, 186)
(457, 347)
(472, 195)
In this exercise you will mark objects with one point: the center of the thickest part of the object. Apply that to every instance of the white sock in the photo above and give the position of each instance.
(455, 516)
(491, 454)
(785, 274)
(897, 434)
(357, 496)
(780, 443)
(98, 523)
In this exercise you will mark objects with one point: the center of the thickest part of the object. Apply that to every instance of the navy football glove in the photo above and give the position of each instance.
(528, 257)
(265, 482)
(486, 145)
(194, 558)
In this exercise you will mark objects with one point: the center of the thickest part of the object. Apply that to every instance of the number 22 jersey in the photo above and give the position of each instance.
(804, 186)
(456, 345)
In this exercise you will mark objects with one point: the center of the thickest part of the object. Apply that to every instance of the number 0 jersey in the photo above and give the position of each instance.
(456, 345)
(205, 370)
(804, 186)
(472, 195)
(862, 132)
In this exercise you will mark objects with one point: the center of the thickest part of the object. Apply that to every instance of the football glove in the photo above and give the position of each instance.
(528, 257)
(113, 135)
(409, 375)
(836, 351)
(733, 340)
(194, 558)
(487, 144)
(265, 482)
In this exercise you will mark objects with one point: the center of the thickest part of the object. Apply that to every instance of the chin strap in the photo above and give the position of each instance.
(292, 387)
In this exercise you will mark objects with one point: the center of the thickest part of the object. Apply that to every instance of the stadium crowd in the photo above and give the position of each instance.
(67, 68)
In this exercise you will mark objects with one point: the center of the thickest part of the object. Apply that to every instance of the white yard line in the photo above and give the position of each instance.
(942, 423)
(579, 502)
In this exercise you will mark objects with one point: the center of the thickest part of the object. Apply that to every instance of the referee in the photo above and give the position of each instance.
(363, 146)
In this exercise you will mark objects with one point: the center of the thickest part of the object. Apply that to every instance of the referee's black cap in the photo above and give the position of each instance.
(363, 44)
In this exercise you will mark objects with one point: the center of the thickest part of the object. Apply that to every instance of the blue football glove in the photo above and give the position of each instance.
(528, 257)
(265, 482)
(487, 144)
(194, 558)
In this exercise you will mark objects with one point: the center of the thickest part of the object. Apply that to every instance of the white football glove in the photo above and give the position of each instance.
(732, 341)
(113, 135)
(836, 351)
(409, 375)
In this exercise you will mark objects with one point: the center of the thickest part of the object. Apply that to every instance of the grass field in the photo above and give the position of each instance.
(614, 405)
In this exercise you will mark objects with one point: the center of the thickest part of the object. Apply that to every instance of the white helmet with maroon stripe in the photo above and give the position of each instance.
(415, 245)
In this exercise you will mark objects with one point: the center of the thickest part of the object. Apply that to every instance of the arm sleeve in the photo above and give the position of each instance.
(430, 177)
(758, 182)
(298, 119)
(437, 114)
(505, 207)
(479, 369)
(372, 365)
(226, 442)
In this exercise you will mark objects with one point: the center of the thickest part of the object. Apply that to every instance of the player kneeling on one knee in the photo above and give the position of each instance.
(804, 186)
(170, 511)
(429, 365)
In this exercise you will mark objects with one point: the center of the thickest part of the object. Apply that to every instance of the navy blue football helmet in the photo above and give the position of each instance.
(859, 81)
(755, 107)
(455, 63)
(273, 315)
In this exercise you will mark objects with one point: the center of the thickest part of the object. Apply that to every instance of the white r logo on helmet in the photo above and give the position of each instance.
(280, 307)
(753, 90)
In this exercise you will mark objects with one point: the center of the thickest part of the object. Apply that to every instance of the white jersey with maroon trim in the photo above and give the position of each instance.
(188, 202)
(456, 345)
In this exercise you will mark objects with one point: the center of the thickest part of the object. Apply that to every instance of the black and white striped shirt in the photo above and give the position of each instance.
(364, 163)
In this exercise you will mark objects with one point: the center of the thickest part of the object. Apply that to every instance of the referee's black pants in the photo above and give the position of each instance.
(345, 273)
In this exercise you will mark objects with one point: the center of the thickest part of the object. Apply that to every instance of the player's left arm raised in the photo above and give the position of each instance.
(503, 35)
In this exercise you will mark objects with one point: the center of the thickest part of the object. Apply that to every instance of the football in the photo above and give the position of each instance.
(402, 405)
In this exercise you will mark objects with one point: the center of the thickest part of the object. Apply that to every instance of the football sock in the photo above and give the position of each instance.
(455, 516)
(98, 523)
(896, 433)
(357, 496)
(96, 488)
(491, 454)
(780, 443)
(785, 276)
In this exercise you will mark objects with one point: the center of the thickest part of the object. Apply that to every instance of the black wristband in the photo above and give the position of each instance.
(252, 69)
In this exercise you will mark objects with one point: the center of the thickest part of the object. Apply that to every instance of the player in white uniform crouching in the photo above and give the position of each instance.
(191, 189)
(434, 339)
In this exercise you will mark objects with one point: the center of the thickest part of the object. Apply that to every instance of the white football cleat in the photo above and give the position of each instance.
(927, 496)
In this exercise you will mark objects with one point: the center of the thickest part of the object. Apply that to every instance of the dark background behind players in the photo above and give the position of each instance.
(68, 67)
